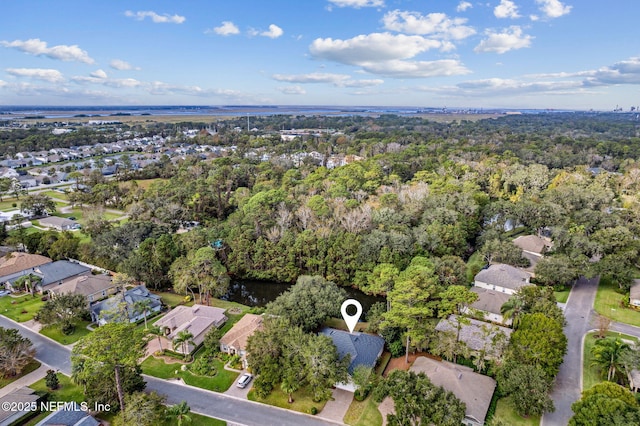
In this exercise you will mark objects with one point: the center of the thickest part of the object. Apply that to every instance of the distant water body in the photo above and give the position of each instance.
(238, 110)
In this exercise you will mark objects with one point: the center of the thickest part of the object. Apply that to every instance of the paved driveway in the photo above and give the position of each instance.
(337, 406)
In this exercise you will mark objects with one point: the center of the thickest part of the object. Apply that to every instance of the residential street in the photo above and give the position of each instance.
(578, 314)
(201, 401)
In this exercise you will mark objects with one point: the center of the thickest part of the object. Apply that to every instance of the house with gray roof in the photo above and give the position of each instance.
(196, 319)
(22, 398)
(489, 304)
(475, 390)
(479, 336)
(71, 415)
(57, 272)
(123, 306)
(501, 277)
(92, 287)
(59, 223)
(364, 349)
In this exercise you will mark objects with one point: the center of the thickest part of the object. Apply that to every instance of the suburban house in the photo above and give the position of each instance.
(16, 264)
(72, 414)
(479, 336)
(503, 278)
(59, 223)
(57, 272)
(489, 304)
(634, 293)
(234, 342)
(92, 287)
(21, 399)
(125, 305)
(364, 349)
(474, 389)
(196, 319)
(533, 248)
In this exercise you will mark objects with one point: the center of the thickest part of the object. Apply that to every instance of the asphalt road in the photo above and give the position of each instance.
(233, 410)
(568, 384)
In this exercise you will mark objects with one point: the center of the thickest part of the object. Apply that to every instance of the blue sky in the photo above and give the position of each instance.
(579, 54)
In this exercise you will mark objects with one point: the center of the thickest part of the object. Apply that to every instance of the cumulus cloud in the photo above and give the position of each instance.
(99, 74)
(291, 90)
(225, 29)
(511, 38)
(120, 65)
(463, 6)
(274, 31)
(553, 8)
(338, 80)
(155, 17)
(50, 75)
(61, 52)
(417, 69)
(435, 24)
(506, 9)
(357, 4)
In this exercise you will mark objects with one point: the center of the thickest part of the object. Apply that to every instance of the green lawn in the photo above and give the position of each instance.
(21, 308)
(610, 304)
(506, 412)
(474, 265)
(197, 420)
(219, 383)
(55, 333)
(592, 375)
(32, 366)
(302, 400)
(56, 194)
(562, 296)
(172, 299)
(363, 413)
(67, 391)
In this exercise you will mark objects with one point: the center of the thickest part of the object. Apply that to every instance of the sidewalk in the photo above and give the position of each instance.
(27, 380)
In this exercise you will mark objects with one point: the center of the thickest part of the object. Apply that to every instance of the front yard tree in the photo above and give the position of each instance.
(200, 269)
(608, 354)
(15, 352)
(606, 404)
(111, 352)
(323, 366)
(183, 340)
(37, 205)
(180, 412)
(528, 387)
(63, 310)
(556, 271)
(143, 409)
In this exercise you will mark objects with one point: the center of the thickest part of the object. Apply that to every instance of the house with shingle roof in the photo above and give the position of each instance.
(71, 415)
(475, 390)
(489, 304)
(20, 398)
(479, 336)
(16, 264)
(92, 287)
(196, 319)
(363, 349)
(234, 342)
(503, 278)
(59, 223)
(57, 272)
(123, 305)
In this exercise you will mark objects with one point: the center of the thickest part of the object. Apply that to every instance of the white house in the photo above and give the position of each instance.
(489, 304)
(503, 278)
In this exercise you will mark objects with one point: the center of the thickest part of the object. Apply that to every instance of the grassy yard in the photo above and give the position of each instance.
(172, 299)
(56, 194)
(591, 375)
(506, 412)
(67, 391)
(302, 400)
(32, 366)
(20, 309)
(54, 333)
(219, 383)
(610, 304)
(363, 413)
(197, 420)
(562, 296)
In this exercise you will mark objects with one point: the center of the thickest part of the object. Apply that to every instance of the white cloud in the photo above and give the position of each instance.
(50, 75)
(506, 9)
(463, 6)
(155, 17)
(3, 83)
(436, 24)
(553, 8)
(510, 39)
(274, 31)
(121, 65)
(338, 80)
(99, 74)
(62, 52)
(227, 28)
(292, 90)
(417, 69)
(357, 4)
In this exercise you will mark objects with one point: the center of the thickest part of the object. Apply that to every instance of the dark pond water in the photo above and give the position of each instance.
(259, 293)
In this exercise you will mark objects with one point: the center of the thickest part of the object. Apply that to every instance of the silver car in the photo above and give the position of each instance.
(244, 380)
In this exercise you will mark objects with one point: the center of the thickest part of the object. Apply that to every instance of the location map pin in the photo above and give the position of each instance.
(351, 320)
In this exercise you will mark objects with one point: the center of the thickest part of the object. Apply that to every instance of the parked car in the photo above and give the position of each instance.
(244, 380)
(4, 292)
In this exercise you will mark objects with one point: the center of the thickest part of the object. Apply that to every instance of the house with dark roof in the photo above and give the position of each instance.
(475, 390)
(15, 265)
(234, 342)
(20, 398)
(489, 305)
(363, 349)
(196, 319)
(71, 415)
(479, 336)
(57, 272)
(501, 277)
(124, 306)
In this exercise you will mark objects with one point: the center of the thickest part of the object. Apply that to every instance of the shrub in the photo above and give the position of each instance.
(313, 410)
(51, 380)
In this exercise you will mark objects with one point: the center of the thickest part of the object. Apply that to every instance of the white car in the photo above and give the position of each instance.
(244, 380)
(4, 293)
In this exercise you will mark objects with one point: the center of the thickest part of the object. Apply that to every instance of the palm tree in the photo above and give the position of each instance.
(512, 310)
(180, 412)
(183, 339)
(607, 354)
(158, 332)
(142, 306)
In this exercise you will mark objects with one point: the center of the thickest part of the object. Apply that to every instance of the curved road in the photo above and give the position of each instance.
(233, 410)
